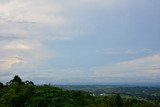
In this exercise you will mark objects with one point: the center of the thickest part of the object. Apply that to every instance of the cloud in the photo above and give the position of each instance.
(30, 28)
(33, 20)
(9, 37)
(149, 64)
(127, 51)
(17, 46)
(143, 69)
(32, 51)
(38, 20)
(25, 26)
(109, 4)
(51, 20)
(31, 11)
(9, 62)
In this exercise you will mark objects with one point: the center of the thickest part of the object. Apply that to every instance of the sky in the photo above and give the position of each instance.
(80, 42)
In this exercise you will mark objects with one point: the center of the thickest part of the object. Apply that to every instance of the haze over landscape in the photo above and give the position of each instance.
(80, 42)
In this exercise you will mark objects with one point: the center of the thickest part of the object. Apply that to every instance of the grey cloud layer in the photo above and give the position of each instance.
(26, 26)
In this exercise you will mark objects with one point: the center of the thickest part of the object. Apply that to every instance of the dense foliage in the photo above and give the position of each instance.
(17, 93)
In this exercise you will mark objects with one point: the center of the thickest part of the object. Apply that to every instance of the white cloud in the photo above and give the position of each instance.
(50, 12)
(49, 19)
(31, 11)
(149, 64)
(34, 19)
(17, 46)
(127, 51)
(9, 62)
(25, 25)
(138, 70)
(32, 51)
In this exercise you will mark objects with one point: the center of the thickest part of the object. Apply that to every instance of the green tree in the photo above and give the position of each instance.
(1, 85)
(118, 100)
(30, 83)
(16, 80)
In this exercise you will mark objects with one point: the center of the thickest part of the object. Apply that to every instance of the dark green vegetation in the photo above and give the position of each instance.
(17, 93)
(148, 93)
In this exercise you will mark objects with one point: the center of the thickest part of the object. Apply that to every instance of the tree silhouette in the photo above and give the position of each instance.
(29, 83)
(16, 80)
